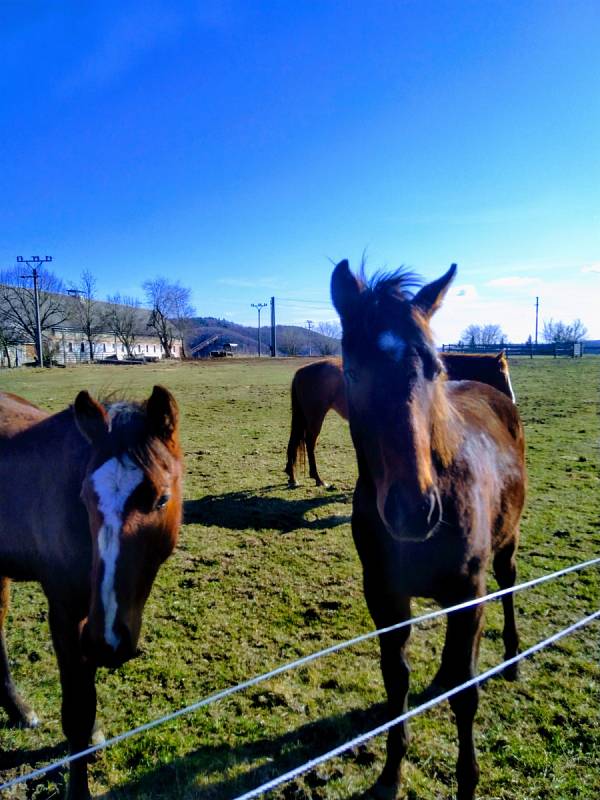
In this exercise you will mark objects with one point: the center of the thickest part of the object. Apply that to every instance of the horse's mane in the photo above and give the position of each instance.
(398, 283)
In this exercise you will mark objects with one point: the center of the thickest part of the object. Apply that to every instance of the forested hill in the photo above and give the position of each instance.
(291, 339)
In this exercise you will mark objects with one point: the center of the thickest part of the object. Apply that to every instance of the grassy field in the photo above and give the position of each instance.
(264, 574)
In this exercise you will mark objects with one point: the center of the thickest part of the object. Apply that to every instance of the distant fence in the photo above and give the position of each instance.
(555, 349)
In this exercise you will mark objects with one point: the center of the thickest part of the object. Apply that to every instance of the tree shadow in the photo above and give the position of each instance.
(281, 754)
(260, 510)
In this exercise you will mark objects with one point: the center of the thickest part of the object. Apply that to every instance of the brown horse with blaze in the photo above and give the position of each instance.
(91, 507)
(440, 491)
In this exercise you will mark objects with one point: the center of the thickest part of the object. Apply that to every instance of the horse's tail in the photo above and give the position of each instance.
(297, 442)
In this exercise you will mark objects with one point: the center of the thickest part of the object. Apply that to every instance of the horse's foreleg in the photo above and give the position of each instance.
(11, 701)
(78, 696)
(505, 571)
(395, 672)
(459, 661)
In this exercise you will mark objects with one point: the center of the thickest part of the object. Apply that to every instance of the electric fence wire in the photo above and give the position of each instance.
(413, 712)
(220, 695)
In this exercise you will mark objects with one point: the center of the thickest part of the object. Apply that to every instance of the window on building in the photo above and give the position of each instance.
(104, 348)
(82, 348)
(70, 348)
(147, 348)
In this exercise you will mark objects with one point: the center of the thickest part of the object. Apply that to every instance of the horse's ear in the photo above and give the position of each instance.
(345, 290)
(91, 418)
(162, 414)
(430, 297)
(501, 356)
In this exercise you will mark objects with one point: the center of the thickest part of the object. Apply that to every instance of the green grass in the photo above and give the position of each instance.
(263, 574)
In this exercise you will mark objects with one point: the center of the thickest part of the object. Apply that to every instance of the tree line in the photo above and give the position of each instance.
(552, 332)
(169, 317)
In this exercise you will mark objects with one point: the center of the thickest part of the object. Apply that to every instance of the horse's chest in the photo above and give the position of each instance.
(438, 567)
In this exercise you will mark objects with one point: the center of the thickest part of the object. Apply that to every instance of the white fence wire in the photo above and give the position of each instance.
(364, 737)
(221, 695)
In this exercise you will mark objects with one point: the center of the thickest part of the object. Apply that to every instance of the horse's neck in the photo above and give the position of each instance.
(58, 449)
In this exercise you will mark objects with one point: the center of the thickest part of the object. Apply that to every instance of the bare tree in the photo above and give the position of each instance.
(123, 320)
(171, 311)
(7, 337)
(17, 303)
(483, 335)
(86, 311)
(290, 341)
(563, 332)
(330, 345)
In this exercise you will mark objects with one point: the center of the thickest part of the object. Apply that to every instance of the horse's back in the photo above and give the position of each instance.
(321, 385)
(488, 408)
(489, 368)
(17, 414)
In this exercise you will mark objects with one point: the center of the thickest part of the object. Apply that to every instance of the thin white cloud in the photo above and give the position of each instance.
(464, 292)
(513, 282)
(244, 283)
(592, 268)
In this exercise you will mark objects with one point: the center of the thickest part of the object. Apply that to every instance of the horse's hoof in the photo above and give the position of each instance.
(293, 484)
(384, 791)
(98, 737)
(29, 719)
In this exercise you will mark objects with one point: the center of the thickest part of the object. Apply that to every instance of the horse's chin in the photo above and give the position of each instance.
(98, 653)
(405, 534)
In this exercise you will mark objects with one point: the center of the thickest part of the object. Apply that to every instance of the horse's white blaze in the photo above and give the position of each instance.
(391, 343)
(113, 483)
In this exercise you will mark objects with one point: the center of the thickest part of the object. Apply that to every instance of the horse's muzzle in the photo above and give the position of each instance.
(99, 653)
(411, 522)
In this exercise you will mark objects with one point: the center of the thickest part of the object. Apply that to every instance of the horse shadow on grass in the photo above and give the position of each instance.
(281, 753)
(261, 510)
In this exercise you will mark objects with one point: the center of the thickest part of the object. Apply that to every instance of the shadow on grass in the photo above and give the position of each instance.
(283, 753)
(260, 510)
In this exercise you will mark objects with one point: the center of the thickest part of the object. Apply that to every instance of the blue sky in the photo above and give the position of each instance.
(240, 147)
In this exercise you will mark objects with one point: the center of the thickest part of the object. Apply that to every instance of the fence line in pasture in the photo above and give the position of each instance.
(555, 349)
(413, 712)
(224, 693)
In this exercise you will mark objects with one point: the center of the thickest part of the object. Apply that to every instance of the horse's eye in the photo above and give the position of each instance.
(162, 500)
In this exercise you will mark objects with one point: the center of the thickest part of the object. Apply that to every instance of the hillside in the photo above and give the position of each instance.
(291, 339)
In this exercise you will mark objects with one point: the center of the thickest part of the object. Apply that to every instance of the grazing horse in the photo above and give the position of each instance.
(440, 490)
(320, 386)
(90, 508)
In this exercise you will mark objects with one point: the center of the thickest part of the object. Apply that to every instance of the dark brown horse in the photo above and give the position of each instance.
(318, 387)
(90, 508)
(440, 491)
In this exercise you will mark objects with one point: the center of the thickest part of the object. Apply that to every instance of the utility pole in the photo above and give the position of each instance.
(258, 307)
(34, 275)
(537, 306)
(273, 332)
(309, 324)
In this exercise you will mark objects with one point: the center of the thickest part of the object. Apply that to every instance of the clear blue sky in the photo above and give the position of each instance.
(237, 147)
